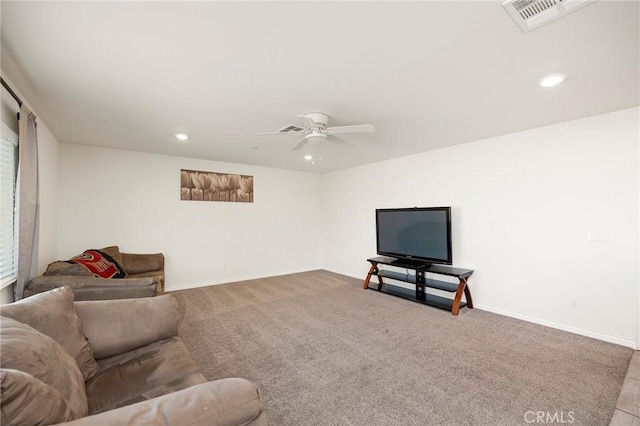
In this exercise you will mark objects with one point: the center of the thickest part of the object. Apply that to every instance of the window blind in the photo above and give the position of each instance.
(8, 225)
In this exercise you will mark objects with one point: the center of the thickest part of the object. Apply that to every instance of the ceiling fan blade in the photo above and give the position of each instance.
(358, 128)
(283, 133)
(339, 141)
(268, 133)
(300, 144)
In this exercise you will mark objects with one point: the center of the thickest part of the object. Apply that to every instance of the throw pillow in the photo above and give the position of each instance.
(28, 401)
(27, 350)
(114, 252)
(53, 314)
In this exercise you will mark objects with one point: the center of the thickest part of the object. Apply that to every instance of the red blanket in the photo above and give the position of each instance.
(99, 264)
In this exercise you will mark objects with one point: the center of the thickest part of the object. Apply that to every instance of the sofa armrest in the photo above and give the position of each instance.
(226, 402)
(117, 326)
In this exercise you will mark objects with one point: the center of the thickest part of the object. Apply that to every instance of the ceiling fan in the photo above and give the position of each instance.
(314, 127)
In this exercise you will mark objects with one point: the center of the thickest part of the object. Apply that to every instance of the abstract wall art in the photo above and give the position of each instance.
(212, 186)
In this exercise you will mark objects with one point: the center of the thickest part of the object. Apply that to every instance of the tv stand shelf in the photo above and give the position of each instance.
(420, 280)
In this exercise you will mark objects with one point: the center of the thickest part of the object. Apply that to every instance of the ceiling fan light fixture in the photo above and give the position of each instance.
(308, 157)
(182, 136)
(552, 80)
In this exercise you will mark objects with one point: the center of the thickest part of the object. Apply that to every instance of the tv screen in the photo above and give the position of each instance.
(416, 234)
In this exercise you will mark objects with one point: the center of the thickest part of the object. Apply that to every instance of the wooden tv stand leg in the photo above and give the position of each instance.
(462, 288)
(467, 295)
(372, 271)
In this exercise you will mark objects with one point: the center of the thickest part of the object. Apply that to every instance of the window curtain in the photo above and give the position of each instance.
(27, 200)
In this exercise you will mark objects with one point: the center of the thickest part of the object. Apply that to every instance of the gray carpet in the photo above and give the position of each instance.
(325, 352)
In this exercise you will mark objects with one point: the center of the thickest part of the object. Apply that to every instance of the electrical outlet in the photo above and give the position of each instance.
(573, 304)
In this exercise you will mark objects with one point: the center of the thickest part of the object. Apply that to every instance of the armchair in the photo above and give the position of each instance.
(110, 362)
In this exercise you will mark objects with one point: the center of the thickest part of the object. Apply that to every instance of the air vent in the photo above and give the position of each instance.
(290, 129)
(531, 14)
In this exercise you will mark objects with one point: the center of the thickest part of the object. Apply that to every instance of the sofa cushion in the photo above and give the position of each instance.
(53, 313)
(61, 267)
(27, 350)
(153, 370)
(28, 401)
(140, 263)
(132, 325)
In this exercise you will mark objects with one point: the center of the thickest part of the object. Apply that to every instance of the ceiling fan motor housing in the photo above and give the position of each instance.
(316, 135)
(318, 118)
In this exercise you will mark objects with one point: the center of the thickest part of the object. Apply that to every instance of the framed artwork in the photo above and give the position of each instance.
(213, 186)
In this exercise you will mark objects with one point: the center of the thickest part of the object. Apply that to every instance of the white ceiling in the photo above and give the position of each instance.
(427, 74)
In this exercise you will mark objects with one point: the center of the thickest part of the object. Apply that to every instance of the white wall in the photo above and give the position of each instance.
(522, 207)
(132, 200)
(48, 196)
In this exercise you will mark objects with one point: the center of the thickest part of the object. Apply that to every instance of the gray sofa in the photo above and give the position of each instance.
(111, 362)
(144, 278)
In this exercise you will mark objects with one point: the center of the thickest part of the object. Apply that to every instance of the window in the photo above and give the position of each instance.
(8, 223)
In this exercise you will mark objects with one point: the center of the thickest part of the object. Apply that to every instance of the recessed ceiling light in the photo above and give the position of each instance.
(181, 136)
(308, 157)
(552, 80)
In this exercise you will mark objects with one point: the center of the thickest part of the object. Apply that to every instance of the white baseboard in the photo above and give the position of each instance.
(233, 279)
(564, 327)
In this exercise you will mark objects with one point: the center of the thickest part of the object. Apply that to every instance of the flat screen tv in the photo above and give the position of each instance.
(419, 235)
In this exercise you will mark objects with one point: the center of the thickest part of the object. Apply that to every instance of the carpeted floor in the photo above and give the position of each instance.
(325, 352)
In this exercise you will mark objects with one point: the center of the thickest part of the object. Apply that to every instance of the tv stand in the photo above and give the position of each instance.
(408, 263)
(420, 280)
